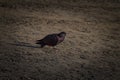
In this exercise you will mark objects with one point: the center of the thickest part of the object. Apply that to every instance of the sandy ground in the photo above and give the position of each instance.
(91, 50)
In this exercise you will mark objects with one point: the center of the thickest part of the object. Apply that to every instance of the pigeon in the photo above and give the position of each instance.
(52, 39)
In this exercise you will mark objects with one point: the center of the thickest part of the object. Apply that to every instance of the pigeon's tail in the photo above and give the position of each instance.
(40, 42)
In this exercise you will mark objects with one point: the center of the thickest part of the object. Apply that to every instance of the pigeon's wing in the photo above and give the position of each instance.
(51, 40)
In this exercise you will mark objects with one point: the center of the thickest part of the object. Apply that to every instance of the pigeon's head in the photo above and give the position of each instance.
(62, 34)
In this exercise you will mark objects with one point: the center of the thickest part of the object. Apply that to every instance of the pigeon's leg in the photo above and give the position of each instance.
(42, 45)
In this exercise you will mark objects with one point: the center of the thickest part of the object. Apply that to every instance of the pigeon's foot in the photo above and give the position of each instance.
(55, 48)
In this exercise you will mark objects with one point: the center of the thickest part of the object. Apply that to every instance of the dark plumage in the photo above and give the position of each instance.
(52, 39)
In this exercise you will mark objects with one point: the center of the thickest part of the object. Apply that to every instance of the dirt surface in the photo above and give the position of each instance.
(91, 50)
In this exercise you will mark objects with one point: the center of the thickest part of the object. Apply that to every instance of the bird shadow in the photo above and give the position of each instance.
(25, 44)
